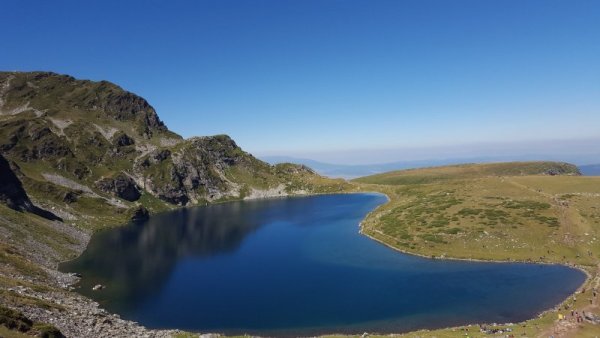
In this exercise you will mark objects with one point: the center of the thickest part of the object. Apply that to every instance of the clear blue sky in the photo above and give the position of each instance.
(307, 76)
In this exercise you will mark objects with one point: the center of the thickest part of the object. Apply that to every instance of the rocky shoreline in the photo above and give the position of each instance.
(78, 316)
(82, 317)
(74, 315)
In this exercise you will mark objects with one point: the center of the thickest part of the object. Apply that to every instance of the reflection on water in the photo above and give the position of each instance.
(298, 266)
(136, 259)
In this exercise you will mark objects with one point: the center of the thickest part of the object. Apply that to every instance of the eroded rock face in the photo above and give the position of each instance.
(124, 106)
(13, 195)
(197, 171)
(11, 191)
(70, 197)
(123, 140)
(121, 186)
(140, 214)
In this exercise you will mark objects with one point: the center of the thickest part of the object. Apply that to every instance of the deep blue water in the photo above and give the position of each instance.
(299, 266)
(590, 170)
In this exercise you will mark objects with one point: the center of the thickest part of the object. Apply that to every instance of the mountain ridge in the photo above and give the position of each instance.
(114, 146)
(353, 171)
(438, 174)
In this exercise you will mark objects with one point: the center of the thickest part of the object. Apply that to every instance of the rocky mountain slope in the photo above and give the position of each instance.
(81, 142)
(77, 156)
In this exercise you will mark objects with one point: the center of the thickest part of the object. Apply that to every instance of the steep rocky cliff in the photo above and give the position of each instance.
(14, 196)
(11, 191)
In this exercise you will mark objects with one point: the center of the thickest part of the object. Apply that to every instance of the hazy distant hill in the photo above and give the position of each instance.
(350, 171)
(470, 171)
(590, 169)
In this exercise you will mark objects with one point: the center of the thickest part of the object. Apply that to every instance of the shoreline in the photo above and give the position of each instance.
(556, 307)
(128, 324)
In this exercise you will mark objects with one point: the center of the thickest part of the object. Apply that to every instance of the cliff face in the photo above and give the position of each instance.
(14, 196)
(80, 142)
(11, 191)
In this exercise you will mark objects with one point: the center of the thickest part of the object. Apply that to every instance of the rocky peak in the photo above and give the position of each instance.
(111, 142)
(50, 92)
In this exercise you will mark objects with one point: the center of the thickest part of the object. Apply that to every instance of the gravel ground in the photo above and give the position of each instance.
(74, 315)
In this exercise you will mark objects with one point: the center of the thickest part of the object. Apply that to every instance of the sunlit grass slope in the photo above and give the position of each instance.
(524, 211)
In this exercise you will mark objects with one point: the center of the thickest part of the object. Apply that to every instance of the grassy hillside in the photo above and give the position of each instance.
(504, 218)
(469, 171)
(523, 211)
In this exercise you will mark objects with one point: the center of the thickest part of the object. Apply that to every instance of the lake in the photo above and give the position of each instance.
(298, 266)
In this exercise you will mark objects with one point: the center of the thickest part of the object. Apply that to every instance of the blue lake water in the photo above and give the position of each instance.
(298, 266)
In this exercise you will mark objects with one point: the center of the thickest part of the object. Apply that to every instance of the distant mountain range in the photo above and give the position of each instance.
(350, 171)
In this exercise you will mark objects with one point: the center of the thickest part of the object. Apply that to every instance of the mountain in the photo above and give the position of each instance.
(590, 169)
(79, 142)
(77, 156)
(349, 171)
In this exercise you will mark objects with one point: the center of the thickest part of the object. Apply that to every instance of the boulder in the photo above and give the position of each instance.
(123, 140)
(140, 214)
(121, 186)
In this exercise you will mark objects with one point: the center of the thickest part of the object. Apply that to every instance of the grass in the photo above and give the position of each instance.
(496, 211)
(468, 171)
(480, 212)
(495, 218)
(15, 324)
(8, 333)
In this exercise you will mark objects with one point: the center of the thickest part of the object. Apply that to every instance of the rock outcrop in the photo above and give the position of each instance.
(121, 186)
(11, 190)
(140, 214)
(14, 196)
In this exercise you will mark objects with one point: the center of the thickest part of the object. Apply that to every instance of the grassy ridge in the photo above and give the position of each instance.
(499, 211)
(469, 171)
(521, 211)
